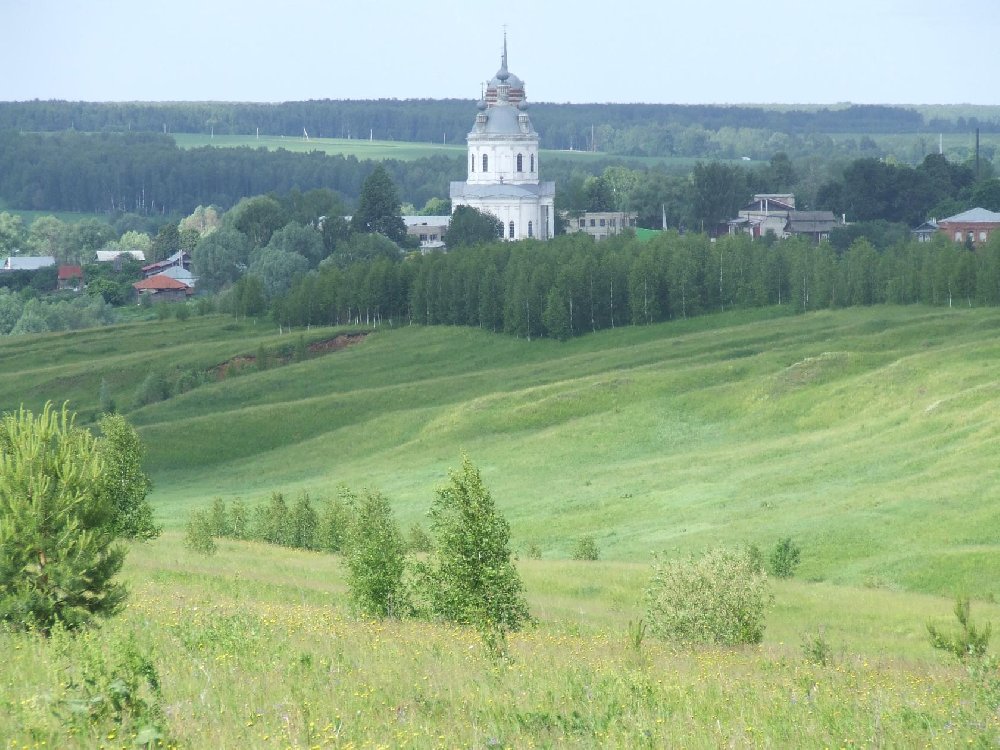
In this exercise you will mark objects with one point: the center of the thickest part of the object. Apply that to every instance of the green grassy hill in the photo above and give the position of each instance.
(867, 435)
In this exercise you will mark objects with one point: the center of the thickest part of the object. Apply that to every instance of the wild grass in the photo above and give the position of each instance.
(867, 436)
(255, 647)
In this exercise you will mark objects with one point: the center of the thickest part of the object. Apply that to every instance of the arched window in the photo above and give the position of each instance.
(530, 233)
(510, 230)
(472, 158)
(520, 163)
(486, 163)
(532, 162)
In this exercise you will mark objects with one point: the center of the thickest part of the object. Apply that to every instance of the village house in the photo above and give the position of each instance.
(162, 288)
(776, 213)
(429, 230)
(70, 278)
(974, 226)
(180, 259)
(599, 224)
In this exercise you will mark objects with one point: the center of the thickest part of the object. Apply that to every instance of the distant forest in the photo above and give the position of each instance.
(640, 129)
(120, 158)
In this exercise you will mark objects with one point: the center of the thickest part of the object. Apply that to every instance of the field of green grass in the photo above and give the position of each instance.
(402, 150)
(869, 436)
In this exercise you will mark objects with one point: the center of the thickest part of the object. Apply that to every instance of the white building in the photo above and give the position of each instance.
(428, 229)
(503, 163)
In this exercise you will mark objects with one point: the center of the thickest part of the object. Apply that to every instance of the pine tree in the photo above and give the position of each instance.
(378, 207)
(57, 552)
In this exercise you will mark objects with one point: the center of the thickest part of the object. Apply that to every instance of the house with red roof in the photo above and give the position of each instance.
(70, 277)
(162, 288)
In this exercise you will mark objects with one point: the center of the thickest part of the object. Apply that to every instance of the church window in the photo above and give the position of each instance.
(486, 163)
(583, 223)
(530, 233)
(510, 230)
(532, 162)
(520, 163)
(602, 222)
(473, 160)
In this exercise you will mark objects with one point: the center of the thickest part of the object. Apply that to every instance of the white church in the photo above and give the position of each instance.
(503, 162)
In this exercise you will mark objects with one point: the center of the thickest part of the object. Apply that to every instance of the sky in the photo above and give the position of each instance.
(657, 51)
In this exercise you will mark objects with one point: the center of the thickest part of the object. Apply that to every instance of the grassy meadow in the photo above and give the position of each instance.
(378, 150)
(868, 435)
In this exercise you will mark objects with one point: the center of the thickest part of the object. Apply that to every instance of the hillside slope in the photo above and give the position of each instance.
(867, 435)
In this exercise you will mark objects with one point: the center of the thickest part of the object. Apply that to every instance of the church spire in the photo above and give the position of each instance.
(503, 74)
(505, 86)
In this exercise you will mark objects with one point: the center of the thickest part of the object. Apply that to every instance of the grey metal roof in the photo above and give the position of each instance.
(506, 190)
(28, 262)
(431, 221)
(501, 119)
(973, 216)
(811, 221)
(180, 274)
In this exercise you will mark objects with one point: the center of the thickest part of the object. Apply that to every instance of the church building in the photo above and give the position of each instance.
(503, 162)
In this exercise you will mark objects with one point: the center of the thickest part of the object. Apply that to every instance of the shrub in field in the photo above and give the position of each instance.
(784, 559)
(334, 521)
(816, 648)
(586, 549)
(123, 481)
(969, 642)
(720, 597)
(219, 520)
(57, 552)
(155, 387)
(272, 522)
(376, 558)
(471, 577)
(198, 533)
(533, 552)
(105, 400)
(114, 691)
(418, 540)
(237, 522)
(303, 524)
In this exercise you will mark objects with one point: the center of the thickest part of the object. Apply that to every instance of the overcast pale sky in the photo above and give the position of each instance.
(707, 51)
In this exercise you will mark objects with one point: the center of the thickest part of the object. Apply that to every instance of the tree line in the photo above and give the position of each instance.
(571, 285)
(148, 173)
(434, 120)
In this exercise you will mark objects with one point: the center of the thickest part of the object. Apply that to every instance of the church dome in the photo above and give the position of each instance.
(500, 121)
(504, 81)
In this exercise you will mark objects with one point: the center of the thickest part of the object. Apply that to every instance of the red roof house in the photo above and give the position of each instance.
(70, 277)
(163, 289)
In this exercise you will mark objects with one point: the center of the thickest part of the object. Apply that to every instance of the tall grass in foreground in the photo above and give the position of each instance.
(257, 647)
